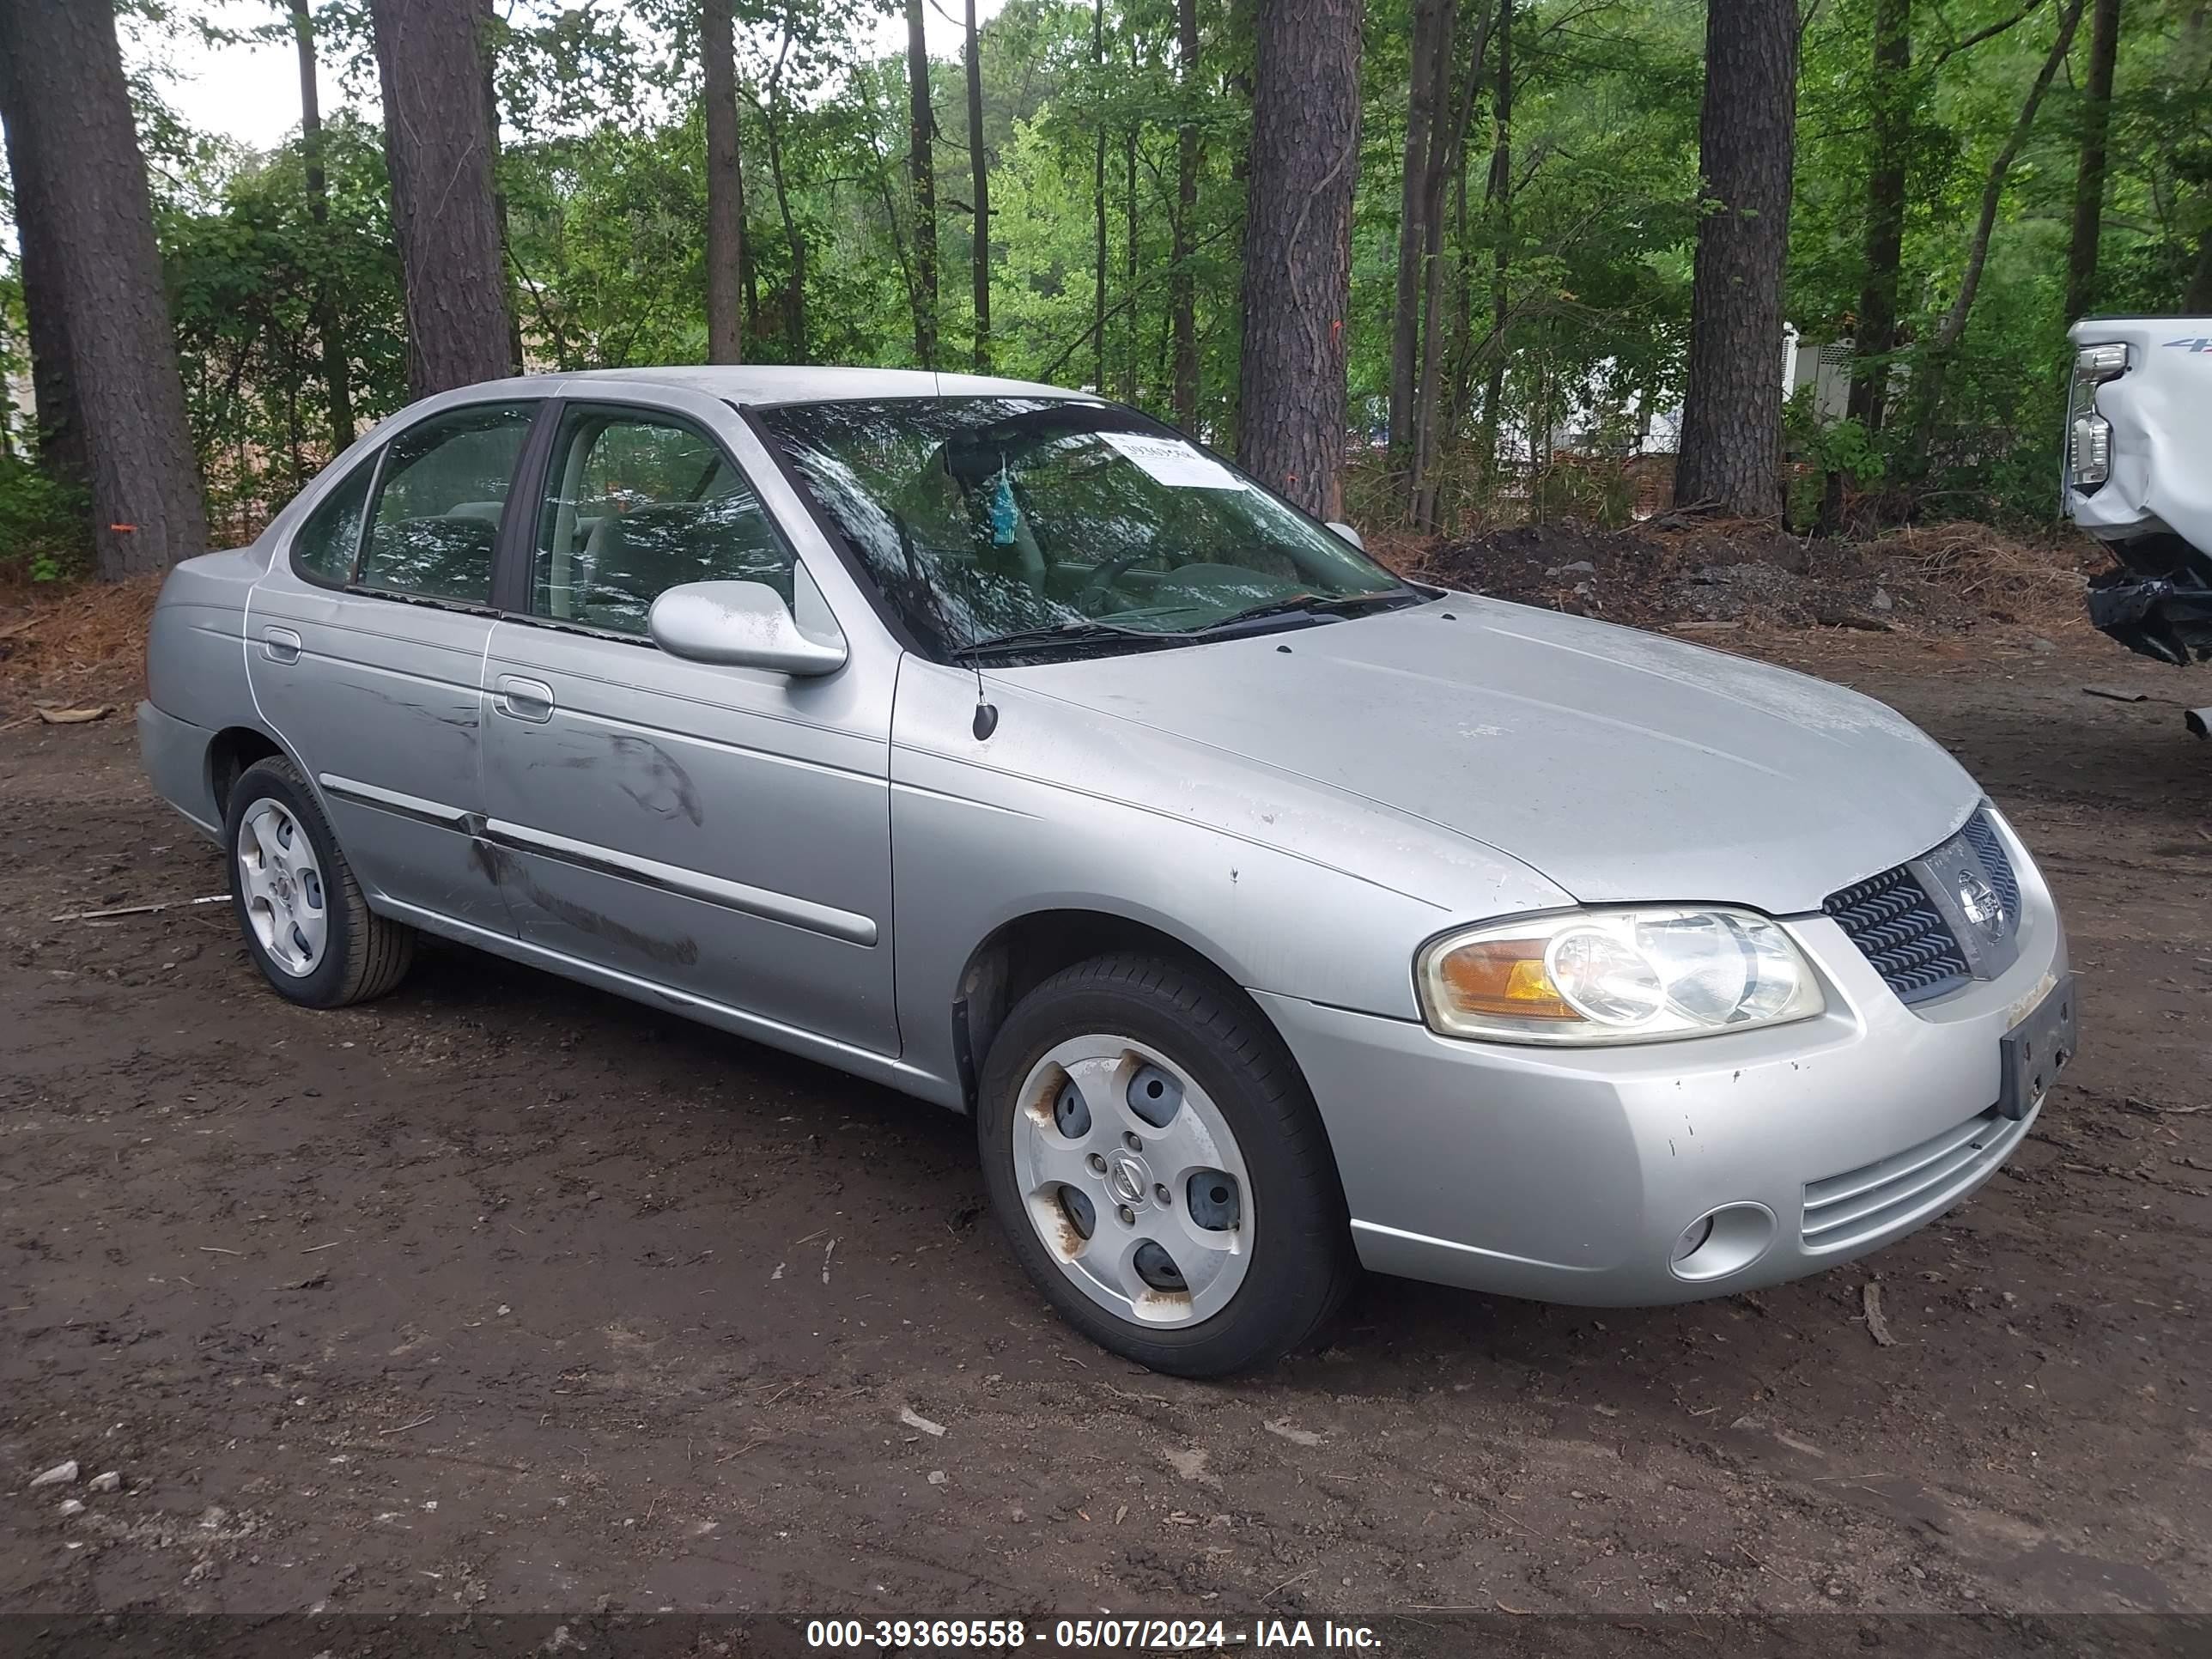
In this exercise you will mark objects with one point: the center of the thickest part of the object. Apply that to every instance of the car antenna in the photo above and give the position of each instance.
(987, 713)
(986, 717)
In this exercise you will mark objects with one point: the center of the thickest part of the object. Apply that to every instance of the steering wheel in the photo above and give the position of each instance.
(1113, 571)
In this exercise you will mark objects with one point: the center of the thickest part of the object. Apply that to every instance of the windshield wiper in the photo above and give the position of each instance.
(1306, 604)
(1074, 631)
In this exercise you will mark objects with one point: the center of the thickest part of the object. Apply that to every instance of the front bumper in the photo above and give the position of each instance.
(2167, 618)
(1569, 1175)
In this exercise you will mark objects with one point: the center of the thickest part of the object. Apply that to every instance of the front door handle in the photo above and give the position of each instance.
(522, 699)
(280, 645)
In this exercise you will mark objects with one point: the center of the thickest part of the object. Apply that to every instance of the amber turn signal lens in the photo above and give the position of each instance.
(1502, 976)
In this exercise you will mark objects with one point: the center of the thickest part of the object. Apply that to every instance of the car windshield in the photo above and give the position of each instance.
(1022, 523)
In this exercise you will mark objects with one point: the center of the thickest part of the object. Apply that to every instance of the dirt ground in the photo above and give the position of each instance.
(504, 1294)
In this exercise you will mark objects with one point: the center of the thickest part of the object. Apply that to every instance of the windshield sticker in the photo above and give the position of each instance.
(1173, 462)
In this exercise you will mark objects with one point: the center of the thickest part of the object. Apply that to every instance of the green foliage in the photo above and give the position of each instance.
(1843, 447)
(245, 269)
(44, 535)
(602, 168)
(1992, 450)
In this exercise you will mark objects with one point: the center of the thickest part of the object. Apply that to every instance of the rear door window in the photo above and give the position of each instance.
(434, 528)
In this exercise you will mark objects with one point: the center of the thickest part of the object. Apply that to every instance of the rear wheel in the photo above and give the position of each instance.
(297, 902)
(1159, 1167)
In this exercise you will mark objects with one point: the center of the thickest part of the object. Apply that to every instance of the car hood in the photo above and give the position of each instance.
(1622, 765)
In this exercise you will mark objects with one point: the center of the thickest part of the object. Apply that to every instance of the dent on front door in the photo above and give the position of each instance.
(719, 830)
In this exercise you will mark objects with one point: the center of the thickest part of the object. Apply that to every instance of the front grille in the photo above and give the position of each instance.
(1982, 835)
(1891, 917)
(1905, 934)
(1862, 1204)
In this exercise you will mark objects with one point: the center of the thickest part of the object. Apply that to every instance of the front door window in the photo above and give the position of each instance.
(636, 504)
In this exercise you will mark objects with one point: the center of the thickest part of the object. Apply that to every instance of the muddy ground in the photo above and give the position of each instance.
(504, 1294)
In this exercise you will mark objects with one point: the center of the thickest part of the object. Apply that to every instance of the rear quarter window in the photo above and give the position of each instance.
(324, 548)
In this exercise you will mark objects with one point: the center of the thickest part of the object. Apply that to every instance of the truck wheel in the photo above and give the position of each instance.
(1157, 1164)
(297, 902)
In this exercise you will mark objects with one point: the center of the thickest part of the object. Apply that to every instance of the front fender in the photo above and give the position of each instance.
(1044, 815)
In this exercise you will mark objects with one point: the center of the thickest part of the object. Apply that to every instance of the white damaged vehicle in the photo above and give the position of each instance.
(2136, 478)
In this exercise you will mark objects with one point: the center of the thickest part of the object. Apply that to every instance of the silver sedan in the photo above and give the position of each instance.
(1269, 914)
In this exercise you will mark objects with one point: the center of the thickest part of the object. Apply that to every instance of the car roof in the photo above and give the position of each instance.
(764, 384)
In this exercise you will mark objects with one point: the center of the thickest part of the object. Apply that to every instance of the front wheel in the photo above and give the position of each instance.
(1159, 1169)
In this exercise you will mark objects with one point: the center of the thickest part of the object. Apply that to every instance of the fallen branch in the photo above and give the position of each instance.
(2152, 1108)
(139, 909)
(1877, 1325)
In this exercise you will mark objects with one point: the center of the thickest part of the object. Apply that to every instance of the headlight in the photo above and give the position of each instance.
(2089, 456)
(2089, 435)
(2100, 362)
(1603, 976)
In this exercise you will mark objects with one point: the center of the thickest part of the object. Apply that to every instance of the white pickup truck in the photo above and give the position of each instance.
(2137, 477)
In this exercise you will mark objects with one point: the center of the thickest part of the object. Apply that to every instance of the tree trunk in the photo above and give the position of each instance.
(1297, 248)
(727, 275)
(1928, 386)
(1731, 453)
(1182, 283)
(1978, 249)
(1459, 379)
(1130, 320)
(101, 270)
(794, 293)
(438, 144)
(2090, 173)
(1431, 25)
(338, 370)
(2197, 299)
(880, 170)
(59, 439)
(979, 168)
(1500, 193)
(921, 171)
(1098, 204)
(2184, 72)
(488, 29)
(1891, 120)
(1446, 162)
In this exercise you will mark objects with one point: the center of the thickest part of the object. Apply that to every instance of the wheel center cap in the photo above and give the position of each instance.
(1129, 1178)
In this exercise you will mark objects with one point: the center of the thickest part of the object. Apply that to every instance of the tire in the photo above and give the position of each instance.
(1075, 1060)
(355, 954)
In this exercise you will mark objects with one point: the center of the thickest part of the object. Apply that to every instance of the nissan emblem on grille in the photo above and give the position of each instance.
(1979, 904)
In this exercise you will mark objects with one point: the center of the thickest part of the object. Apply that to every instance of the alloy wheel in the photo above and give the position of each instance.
(286, 903)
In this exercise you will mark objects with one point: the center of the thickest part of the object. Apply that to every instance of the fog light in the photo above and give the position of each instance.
(1693, 1238)
(1723, 1242)
(2091, 455)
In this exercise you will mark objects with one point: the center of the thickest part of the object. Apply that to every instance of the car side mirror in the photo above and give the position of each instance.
(1348, 533)
(742, 625)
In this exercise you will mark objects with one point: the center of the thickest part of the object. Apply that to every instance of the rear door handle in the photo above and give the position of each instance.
(522, 699)
(280, 645)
